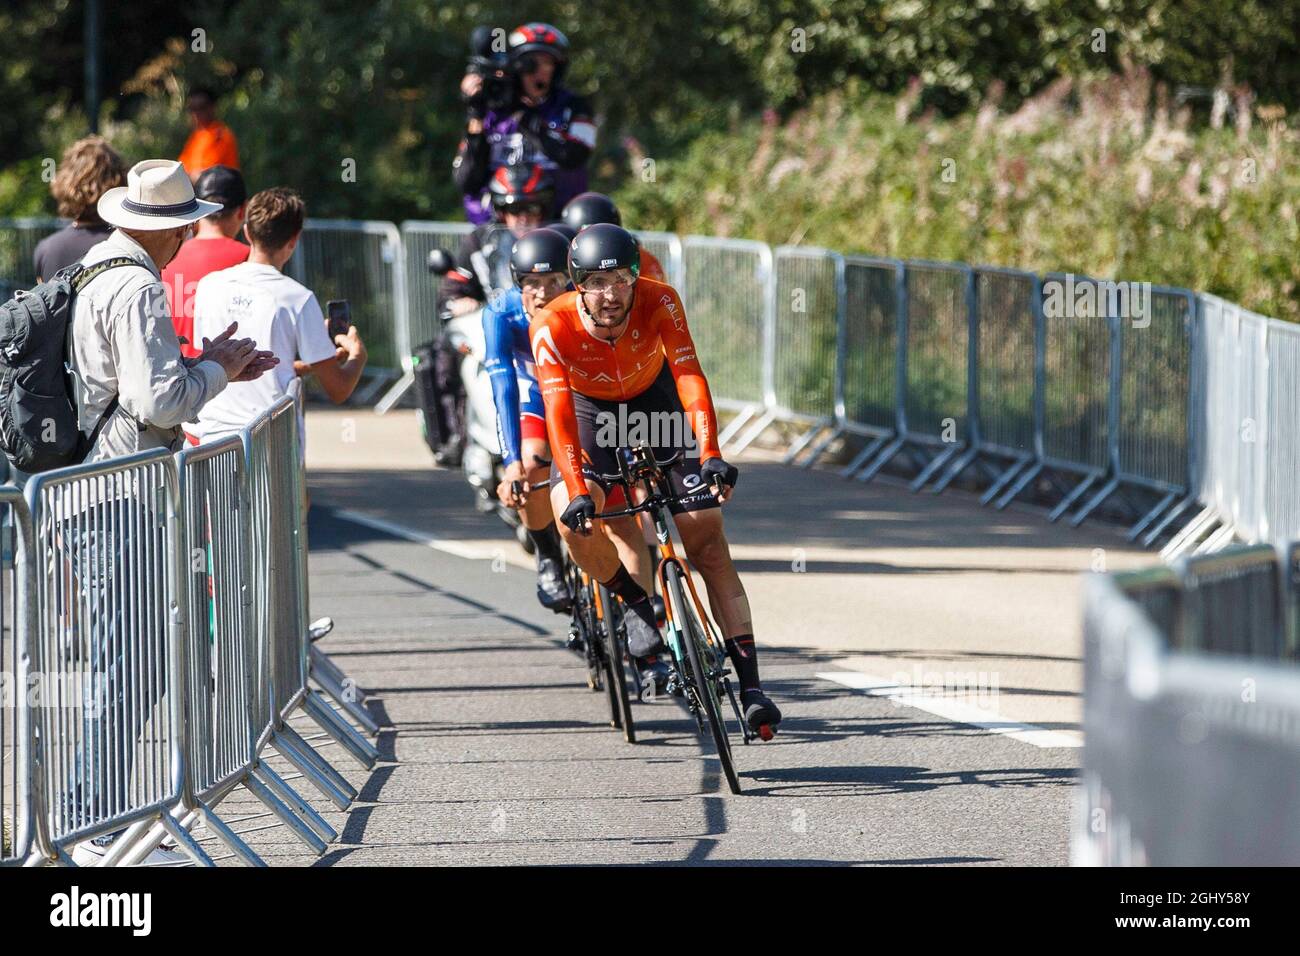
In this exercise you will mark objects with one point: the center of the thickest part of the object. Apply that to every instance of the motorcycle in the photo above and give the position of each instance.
(481, 460)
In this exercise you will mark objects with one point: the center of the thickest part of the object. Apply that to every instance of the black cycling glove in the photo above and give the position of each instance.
(717, 468)
(581, 510)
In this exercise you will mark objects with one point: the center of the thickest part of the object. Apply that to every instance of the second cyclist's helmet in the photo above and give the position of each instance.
(601, 247)
(521, 183)
(539, 251)
(587, 209)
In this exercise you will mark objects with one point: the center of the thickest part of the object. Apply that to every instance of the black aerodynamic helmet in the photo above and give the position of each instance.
(587, 209)
(564, 229)
(539, 251)
(521, 183)
(600, 247)
(539, 38)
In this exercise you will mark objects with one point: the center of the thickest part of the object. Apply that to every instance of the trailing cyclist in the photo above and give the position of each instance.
(617, 349)
(539, 265)
(589, 209)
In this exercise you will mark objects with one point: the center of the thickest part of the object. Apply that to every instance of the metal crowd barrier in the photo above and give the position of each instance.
(158, 606)
(728, 288)
(18, 239)
(363, 262)
(109, 635)
(1190, 748)
(1184, 421)
(20, 785)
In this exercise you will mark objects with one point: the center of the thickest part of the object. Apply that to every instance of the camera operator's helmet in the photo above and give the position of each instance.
(538, 252)
(519, 185)
(539, 38)
(602, 247)
(587, 209)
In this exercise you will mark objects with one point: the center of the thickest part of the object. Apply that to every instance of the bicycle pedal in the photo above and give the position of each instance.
(766, 732)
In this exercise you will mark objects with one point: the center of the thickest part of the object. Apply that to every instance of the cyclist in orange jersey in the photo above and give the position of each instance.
(617, 366)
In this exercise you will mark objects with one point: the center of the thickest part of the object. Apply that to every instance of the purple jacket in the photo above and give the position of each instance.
(557, 135)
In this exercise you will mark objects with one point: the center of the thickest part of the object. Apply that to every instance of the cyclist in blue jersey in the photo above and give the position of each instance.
(539, 263)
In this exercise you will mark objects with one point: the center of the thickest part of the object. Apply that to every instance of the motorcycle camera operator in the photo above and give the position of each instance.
(521, 198)
(518, 112)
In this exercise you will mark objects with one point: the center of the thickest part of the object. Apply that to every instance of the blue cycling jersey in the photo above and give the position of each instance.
(509, 362)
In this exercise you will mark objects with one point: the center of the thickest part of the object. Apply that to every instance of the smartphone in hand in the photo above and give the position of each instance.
(338, 317)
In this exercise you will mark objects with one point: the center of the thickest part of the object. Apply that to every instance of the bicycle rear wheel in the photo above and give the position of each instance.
(701, 660)
(616, 674)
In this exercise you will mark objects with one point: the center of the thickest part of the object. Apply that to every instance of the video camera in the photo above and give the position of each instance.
(500, 89)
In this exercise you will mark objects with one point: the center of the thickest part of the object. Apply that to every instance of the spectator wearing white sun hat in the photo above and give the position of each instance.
(125, 353)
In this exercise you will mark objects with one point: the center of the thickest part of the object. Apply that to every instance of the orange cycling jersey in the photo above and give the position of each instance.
(567, 356)
(651, 268)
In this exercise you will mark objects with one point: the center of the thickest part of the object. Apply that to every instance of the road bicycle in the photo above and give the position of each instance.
(700, 670)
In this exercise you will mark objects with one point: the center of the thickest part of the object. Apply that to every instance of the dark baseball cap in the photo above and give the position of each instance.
(222, 184)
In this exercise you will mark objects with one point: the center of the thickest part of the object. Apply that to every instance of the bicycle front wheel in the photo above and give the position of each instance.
(704, 677)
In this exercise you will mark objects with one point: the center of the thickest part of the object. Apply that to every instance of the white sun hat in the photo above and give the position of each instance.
(158, 195)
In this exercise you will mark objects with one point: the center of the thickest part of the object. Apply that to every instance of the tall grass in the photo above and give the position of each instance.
(1105, 177)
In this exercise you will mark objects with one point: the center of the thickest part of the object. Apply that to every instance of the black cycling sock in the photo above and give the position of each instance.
(625, 586)
(547, 542)
(744, 658)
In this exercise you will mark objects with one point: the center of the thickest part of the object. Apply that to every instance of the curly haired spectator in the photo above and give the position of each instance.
(89, 168)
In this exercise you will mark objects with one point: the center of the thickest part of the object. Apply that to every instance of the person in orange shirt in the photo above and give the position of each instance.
(618, 350)
(211, 143)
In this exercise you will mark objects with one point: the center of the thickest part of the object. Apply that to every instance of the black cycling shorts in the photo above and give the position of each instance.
(655, 417)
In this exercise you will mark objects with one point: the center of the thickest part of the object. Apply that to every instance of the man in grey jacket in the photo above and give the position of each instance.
(125, 348)
(124, 344)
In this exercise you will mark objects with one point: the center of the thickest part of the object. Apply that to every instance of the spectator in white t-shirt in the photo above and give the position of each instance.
(279, 314)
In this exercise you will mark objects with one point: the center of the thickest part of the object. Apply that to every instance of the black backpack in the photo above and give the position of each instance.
(38, 410)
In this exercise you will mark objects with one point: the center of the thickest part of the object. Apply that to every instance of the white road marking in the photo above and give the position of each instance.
(953, 709)
(507, 551)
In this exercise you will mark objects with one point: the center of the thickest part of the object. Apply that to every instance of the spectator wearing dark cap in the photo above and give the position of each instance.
(213, 248)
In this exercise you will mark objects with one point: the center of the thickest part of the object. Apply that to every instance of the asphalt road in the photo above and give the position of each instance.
(496, 752)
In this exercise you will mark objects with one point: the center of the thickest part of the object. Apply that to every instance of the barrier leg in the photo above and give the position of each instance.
(1220, 539)
(1005, 478)
(300, 807)
(319, 774)
(1151, 515)
(755, 430)
(1107, 490)
(1191, 533)
(1170, 516)
(958, 466)
(362, 750)
(230, 838)
(892, 449)
(282, 810)
(821, 447)
(937, 462)
(736, 424)
(1073, 496)
(331, 680)
(865, 455)
(394, 394)
(122, 851)
(1021, 484)
(802, 441)
(185, 842)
